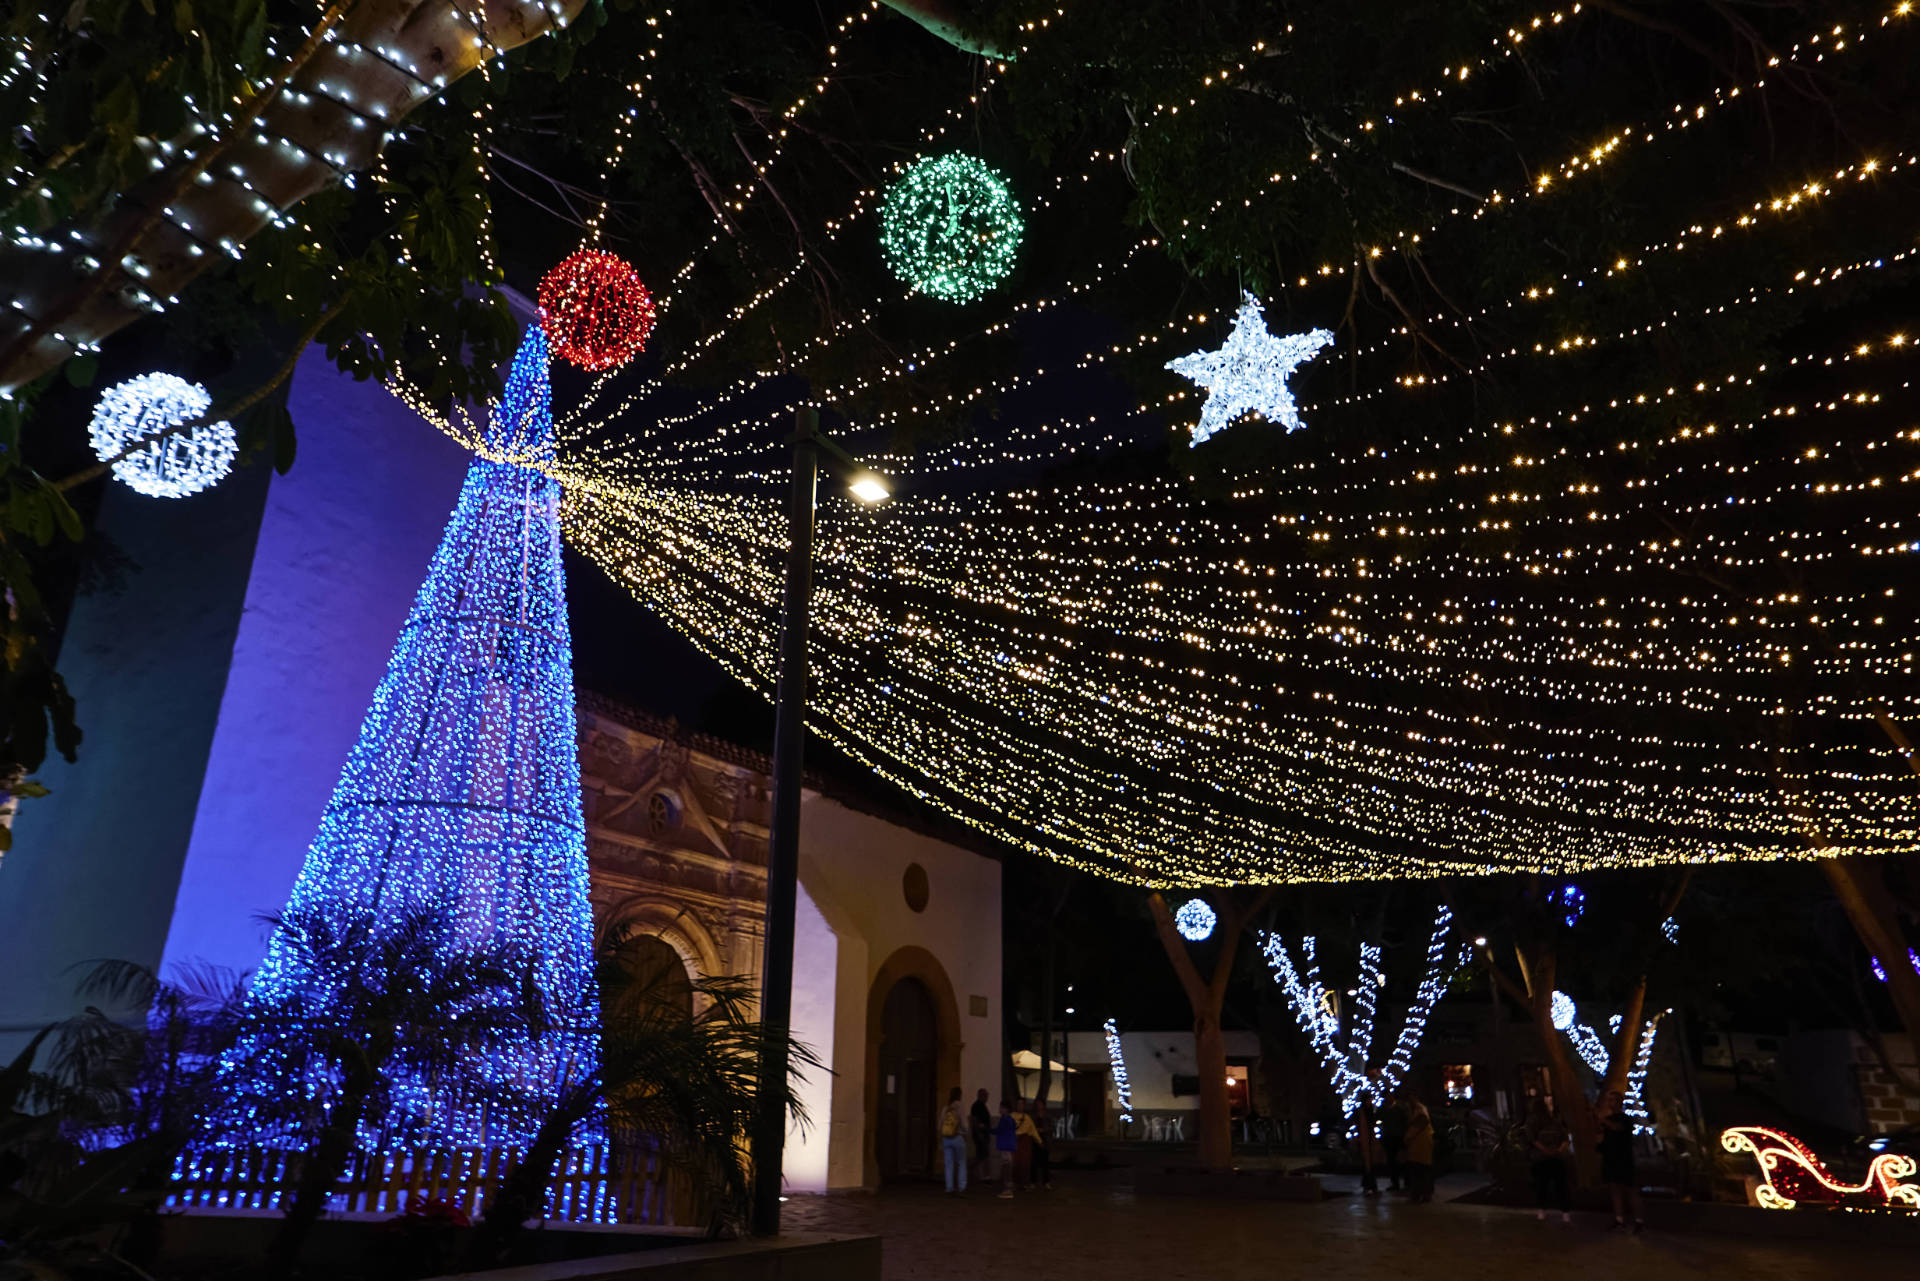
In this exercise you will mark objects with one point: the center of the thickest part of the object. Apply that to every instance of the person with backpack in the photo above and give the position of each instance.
(953, 1142)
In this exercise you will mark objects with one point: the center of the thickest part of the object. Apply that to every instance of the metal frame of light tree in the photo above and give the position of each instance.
(461, 799)
(1312, 1003)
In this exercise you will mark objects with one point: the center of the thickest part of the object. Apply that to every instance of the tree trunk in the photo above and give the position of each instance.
(305, 139)
(1046, 1024)
(1627, 1044)
(522, 1194)
(323, 1168)
(1207, 997)
(1539, 972)
(1861, 888)
(1576, 1110)
(1216, 1113)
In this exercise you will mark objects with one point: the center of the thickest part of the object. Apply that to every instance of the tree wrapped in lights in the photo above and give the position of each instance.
(1316, 1009)
(1117, 1061)
(460, 805)
(1594, 1053)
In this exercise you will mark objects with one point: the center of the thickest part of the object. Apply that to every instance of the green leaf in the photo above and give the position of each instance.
(63, 513)
(253, 38)
(27, 787)
(81, 369)
(182, 16)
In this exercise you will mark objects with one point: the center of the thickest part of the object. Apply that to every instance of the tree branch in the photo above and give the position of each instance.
(113, 260)
(1197, 989)
(947, 21)
(1432, 181)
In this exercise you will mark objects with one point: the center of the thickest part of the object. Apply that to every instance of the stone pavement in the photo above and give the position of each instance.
(1093, 1226)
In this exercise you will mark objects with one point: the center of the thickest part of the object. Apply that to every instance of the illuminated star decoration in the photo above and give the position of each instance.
(1249, 374)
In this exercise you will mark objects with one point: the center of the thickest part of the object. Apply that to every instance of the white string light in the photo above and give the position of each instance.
(1314, 1008)
(1122, 1089)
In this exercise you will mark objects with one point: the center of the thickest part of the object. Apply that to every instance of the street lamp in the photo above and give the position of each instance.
(783, 840)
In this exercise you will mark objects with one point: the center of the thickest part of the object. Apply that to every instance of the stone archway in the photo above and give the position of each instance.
(674, 924)
(924, 1011)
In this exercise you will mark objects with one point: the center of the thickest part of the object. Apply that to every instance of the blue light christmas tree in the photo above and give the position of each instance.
(460, 804)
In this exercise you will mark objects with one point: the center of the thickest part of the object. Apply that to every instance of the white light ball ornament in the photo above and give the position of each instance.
(184, 463)
(1562, 1012)
(1195, 920)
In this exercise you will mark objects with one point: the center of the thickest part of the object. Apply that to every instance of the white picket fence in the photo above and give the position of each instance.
(595, 1184)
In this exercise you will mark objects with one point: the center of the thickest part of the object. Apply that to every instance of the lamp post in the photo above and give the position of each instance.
(783, 840)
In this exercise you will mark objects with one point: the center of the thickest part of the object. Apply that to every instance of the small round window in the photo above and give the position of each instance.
(914, 886)
(661, 813)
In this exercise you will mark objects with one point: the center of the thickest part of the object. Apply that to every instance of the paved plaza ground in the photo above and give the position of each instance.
(1092, 1225)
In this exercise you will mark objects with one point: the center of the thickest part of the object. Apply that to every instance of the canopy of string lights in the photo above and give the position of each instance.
(1596, 547)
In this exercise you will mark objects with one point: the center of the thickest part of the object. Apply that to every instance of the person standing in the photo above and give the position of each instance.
(1615, 1135)
(982, 1125)
(1364, 1145)
(1004, 1143)
(1419, 1151)
(953, 1142)
(1025, 1135)
(1548, 1147)
(1393, 1137)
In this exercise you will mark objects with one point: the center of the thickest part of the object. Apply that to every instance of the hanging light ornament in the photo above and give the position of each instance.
(1194, 920)
(175, 466)
(1571, 901)
(595, 310)
(950, 227)
(1248, 374)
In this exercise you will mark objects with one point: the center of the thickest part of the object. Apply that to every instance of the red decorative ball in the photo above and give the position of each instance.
(594, 309)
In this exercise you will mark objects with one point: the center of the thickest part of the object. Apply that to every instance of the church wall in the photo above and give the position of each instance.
(94, 865)
(858, 863)
(816, 962)
(677, 842)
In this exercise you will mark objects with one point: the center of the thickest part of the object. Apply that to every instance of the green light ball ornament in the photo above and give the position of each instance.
(950, 227)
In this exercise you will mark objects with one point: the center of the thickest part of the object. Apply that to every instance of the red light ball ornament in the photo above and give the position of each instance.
(594, 309)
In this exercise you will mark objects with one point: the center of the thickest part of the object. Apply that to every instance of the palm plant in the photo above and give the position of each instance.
(389, 1000)
(88, 1139)
(673, 1076)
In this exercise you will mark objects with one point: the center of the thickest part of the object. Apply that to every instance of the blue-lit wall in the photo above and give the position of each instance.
(220, 690)
(344, 544)
(94, 866)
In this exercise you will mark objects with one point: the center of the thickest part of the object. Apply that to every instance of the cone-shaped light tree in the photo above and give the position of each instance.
(461, 802)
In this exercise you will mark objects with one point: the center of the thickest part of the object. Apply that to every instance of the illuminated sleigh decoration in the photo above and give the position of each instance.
(1794, 1174)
